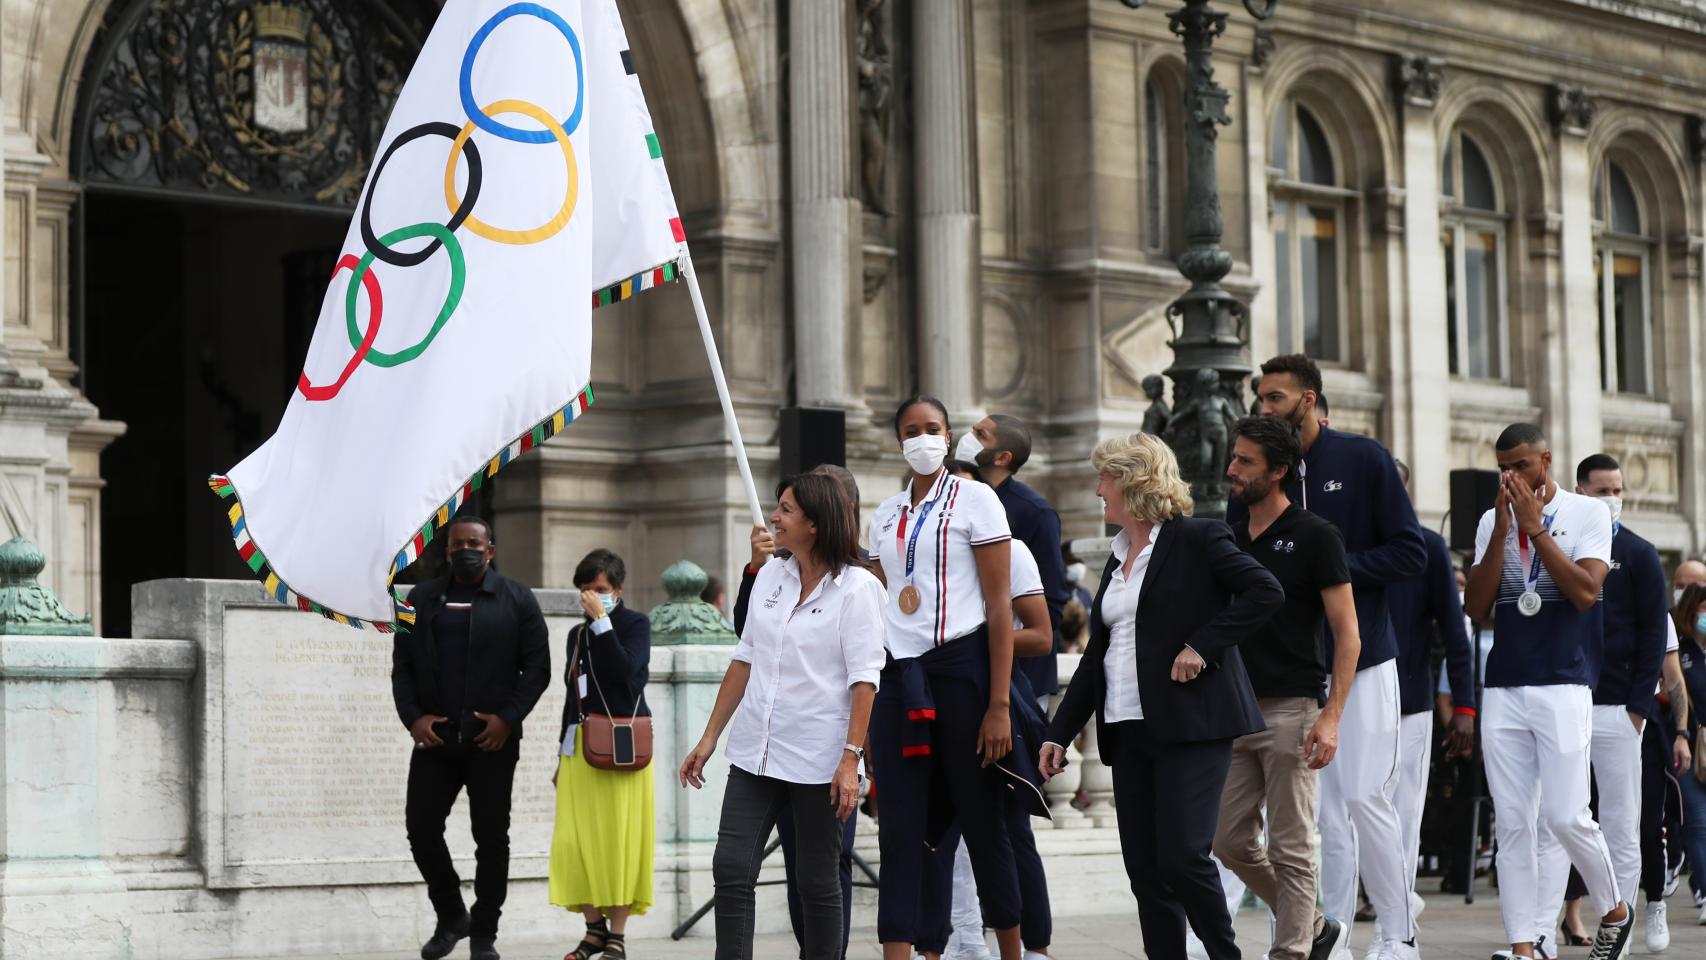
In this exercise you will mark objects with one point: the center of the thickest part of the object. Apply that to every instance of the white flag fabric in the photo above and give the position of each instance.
(519, 184)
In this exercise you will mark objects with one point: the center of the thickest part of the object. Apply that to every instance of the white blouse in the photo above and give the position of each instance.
(792, 721)
(1119, 612)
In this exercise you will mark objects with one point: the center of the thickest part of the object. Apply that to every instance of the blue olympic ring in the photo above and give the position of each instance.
(504, 130)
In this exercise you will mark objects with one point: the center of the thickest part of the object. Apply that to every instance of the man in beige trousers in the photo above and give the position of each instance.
(1286, 660)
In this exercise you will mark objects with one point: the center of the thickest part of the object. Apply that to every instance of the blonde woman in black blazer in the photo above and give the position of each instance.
(1163, 678)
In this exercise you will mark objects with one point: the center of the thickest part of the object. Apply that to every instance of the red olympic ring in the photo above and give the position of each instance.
(375, 308)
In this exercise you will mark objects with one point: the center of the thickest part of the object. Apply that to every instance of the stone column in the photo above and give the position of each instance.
(1572, 398)
(822, 183)
(1421, 369)
(949, 258)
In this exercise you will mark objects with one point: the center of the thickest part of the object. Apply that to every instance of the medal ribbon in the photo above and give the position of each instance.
(912, 542)
(1531, 578)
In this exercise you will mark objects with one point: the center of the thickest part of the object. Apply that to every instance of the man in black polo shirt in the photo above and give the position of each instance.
(463, 680)
(1287, 663)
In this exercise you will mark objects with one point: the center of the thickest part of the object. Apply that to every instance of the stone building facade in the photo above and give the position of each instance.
(1473, 213)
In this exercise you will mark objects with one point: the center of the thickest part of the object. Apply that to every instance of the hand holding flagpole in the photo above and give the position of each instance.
(692, 278)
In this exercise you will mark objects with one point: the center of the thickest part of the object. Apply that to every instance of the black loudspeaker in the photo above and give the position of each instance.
(1472, 494)
(812, 436)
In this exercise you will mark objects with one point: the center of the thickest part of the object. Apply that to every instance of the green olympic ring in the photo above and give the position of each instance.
(457, 275)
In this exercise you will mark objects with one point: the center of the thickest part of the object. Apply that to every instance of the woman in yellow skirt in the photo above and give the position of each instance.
(601, 850)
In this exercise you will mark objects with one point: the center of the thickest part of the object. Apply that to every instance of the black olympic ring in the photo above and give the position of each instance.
(449, 131)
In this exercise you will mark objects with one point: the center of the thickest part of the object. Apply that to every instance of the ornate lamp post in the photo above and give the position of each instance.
(1210, 326)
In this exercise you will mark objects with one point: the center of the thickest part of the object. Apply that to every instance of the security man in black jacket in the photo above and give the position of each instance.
(463, 679)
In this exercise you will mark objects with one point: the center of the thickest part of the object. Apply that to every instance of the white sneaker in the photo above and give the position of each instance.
(1398, 950)
(1033, 955)
(1658, 930)
(1544, 949)
(1702, 920)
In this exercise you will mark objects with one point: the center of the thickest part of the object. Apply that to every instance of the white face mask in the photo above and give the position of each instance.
(968, 448)
(1676, 596)
(1615, 505)
(1075, 573)
(925, 452)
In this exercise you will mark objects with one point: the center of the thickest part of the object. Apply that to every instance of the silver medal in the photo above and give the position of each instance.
(1528, 604)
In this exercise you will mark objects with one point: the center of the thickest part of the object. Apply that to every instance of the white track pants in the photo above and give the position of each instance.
(1415, 755)
(967, 913)
(1536, 741)
(1615, 752)
(1356, 813)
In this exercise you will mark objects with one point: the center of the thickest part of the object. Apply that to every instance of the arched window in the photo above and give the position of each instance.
(1472, 231)
(1155, 128)
(1162, 160)
(1309, 249)
(1624, 268)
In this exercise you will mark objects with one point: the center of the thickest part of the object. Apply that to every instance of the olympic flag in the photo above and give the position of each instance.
(519, 184)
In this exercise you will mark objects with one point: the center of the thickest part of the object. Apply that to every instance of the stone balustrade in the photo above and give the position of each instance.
(200, 792)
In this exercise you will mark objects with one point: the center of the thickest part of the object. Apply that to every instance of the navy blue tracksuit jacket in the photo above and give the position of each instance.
(1636, 599)
(1353, 481)
(1035, 524)
(1419, 606)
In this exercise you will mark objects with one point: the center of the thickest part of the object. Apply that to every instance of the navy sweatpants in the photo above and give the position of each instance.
(906, 787)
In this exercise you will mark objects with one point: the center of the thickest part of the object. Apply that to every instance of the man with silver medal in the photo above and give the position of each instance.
(1542, 555)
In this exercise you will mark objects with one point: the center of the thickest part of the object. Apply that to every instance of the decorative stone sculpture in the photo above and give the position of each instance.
(1159, 413)
(876, 86)
(27, 607)
(1203, 424)
(684, 618)
(1256, 392)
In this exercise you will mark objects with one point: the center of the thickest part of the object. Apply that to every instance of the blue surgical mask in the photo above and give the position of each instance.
(609, 601)
(1700, 624)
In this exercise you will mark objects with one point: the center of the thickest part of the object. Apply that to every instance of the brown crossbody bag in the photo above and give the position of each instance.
(612, 743)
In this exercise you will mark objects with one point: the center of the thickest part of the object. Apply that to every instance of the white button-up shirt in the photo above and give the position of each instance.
(792, 721)
(958, 516)
(1119, 611)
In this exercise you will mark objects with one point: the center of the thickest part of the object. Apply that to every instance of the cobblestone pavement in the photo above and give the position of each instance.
(1451, 930)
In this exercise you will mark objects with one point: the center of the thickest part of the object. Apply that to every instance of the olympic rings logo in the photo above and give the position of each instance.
(462, 153)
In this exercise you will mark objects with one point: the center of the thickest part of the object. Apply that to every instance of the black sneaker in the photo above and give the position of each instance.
(444, 938)
(483, 948)
(1329, 941)
(1612, 940)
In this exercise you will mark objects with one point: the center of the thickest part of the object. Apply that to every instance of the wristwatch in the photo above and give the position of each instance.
(858, 752)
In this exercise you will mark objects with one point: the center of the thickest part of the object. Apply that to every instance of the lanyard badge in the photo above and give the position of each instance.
(1529, 603)
(910, 598)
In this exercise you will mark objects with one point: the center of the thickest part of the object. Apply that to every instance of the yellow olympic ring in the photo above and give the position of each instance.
(570, 194)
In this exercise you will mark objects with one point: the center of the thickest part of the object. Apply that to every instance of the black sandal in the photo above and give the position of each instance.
(589, 948)
(615, 947)
(1572, 939)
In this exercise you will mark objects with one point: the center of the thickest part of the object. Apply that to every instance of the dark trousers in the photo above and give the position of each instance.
(751, 806)
(1036, 921)
(1167, 800)
(790, 869)
(906, 789)
(436, 776)
(1655, 785)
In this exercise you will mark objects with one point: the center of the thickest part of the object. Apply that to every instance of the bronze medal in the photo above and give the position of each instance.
(909, 599)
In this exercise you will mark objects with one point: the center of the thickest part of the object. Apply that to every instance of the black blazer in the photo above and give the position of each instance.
(621, 659)
(509, 656)
(1200, 589)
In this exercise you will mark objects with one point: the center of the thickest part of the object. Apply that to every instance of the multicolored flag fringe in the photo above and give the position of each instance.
(520, 185)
